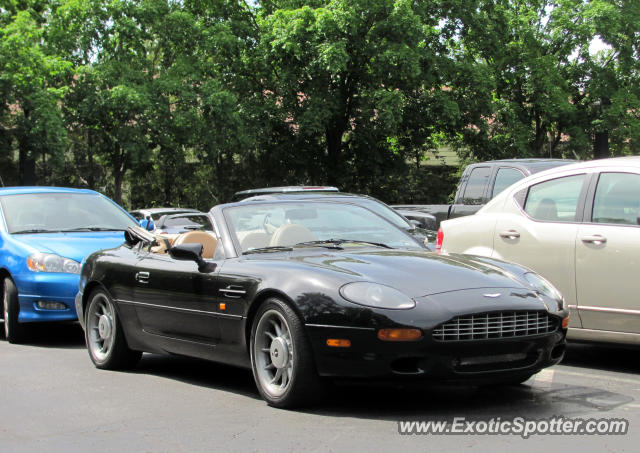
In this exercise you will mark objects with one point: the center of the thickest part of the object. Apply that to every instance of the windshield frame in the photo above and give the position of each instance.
(233, 238)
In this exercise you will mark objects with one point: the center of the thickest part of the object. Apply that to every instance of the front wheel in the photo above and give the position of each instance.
(281, 357)
(107, 346)
(14, 332)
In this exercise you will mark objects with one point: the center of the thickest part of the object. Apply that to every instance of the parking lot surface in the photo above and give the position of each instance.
(52, 399)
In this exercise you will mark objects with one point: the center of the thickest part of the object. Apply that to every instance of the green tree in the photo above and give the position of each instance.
(33, 81)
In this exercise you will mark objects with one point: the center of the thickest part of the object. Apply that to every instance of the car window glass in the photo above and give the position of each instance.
(59, 211)
(617, 199)
(261, 225)
(555, 200)
(474, 191)
(385, 212)
(504, 178)
(195, 220)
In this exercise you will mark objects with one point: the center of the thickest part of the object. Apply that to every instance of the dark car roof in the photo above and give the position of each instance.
(531, 166)
(283, 189)
(167, 210)
(343, 196)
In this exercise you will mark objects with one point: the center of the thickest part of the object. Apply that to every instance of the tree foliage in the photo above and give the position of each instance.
(184, 102)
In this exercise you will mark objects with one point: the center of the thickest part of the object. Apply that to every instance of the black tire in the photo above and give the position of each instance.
(303, 386)
(104, 336)
(14, 332)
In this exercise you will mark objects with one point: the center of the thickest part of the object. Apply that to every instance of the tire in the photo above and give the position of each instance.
(14, 332)
(282, 359)
(104, 336)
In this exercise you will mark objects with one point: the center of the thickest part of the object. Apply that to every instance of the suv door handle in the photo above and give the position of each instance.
(142, 277)
(509, 234)
(595, 239)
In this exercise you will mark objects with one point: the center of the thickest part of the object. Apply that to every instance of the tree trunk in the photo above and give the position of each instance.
(27, 164)
(118, 176)
(601, 145)
(334, 155)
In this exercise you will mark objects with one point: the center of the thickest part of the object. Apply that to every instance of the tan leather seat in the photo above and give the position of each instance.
(207, 240)
(291, 234)
(254, 241)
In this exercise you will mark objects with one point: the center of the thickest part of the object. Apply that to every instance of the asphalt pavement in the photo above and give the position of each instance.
(52, 399)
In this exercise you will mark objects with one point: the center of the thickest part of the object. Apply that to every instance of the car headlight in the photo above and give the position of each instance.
(543, 286)
(376, 295)
(47, 262)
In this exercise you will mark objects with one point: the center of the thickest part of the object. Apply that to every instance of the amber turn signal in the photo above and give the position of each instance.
(223, 306)
(338, 343)
(399, 334)
(565, 322)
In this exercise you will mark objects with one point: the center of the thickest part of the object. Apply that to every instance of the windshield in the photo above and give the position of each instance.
(285, 224)
(54, 212)
(385, 211)
(198, 221)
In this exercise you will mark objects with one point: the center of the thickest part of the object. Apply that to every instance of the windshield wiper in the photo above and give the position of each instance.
(336, 243)
(35, 230)
(274, 248)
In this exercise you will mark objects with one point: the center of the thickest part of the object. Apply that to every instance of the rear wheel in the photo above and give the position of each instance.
(281, 357)
(105, 339)
(14, 332)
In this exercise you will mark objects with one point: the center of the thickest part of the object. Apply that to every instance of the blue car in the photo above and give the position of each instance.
(45, 233)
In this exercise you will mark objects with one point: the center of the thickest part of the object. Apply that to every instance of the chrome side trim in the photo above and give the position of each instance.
(183, 340)
(180, 310)
(609, 310)
(340, 327)
(604, 336)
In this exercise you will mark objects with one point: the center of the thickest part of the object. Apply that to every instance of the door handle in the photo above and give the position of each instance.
(595, 239)
(509, 234)
(233, 292)
(142, 277)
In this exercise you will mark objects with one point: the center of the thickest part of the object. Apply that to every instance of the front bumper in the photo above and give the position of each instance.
(455, 361)
(34, 287)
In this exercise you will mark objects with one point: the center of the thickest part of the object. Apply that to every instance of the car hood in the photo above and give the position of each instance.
(416, 273)
(75, 246)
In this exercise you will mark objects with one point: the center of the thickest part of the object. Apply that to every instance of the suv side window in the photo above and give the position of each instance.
(477, 182)
(617, 199)
(504, 178)
(555, 200)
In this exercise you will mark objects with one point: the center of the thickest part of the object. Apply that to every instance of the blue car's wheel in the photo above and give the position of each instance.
(14, 332)
(106, 344)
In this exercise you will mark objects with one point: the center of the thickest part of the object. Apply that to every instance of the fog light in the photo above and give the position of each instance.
(565, 322)
(48, 305)
(338, 343)
(399, 334)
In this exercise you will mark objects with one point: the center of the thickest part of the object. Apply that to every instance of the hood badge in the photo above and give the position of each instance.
(493, 295)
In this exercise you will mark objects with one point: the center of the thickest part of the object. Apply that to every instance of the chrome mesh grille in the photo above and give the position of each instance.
(504, 324)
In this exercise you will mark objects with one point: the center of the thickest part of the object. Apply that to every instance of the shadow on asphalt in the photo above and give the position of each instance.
(603, 357)
(535, 398)
(67, 335)
(199, 372)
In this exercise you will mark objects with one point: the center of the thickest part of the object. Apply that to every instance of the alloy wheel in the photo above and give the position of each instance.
(274, 353)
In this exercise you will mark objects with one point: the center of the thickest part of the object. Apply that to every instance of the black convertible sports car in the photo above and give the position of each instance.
(305, 291)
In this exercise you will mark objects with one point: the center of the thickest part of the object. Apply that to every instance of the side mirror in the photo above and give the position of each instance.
(147, 224)
(192, 252)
